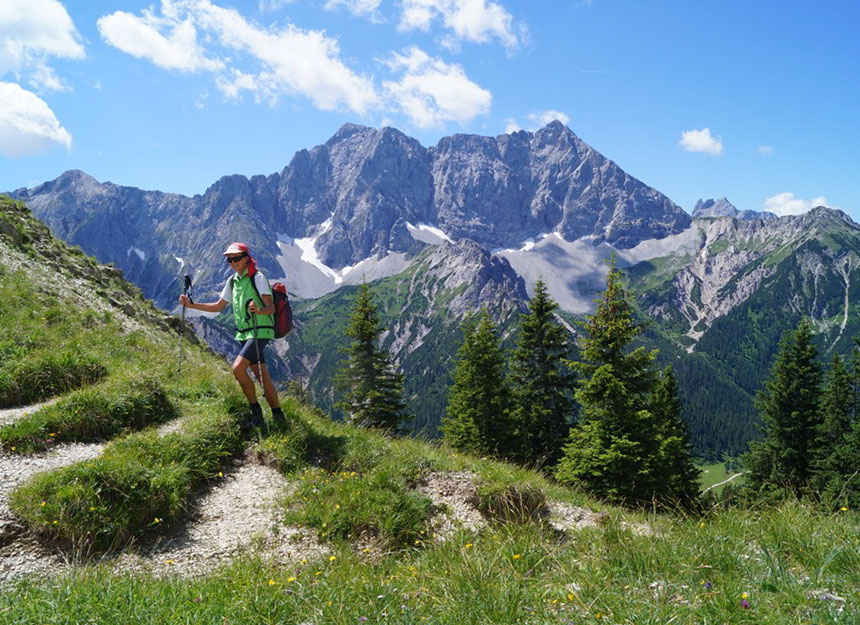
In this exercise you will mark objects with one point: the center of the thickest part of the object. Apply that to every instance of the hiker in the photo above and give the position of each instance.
(247, 301)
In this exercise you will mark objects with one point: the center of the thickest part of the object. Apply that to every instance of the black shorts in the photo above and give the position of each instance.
(249, 352)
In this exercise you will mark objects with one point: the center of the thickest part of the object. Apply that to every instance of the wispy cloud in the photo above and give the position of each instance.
(537, 120)
(31, 33)
(431, 92)
(266, 62)
(365, 8)
(786, 204)
(701, 141)
(268, 6)
(167, 42)
(542, 118)
(269, 63)
(478, 21)
(765, 150)
(511, 125)
(28, 126)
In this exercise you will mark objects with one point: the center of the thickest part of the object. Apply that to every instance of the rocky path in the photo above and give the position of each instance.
(8, 415)
(236, 515)
(229, 516)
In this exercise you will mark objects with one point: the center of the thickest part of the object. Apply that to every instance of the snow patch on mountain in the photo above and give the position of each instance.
(140, 253)
(307, 276)
(427, 233)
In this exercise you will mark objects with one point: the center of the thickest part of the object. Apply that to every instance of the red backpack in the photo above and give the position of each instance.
(283, 312)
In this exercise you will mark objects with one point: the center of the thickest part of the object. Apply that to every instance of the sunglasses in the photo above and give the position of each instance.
(235, 259)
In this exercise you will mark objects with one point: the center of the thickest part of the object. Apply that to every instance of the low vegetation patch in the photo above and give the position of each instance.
(93, 413)
(140, 482)
(32, 378)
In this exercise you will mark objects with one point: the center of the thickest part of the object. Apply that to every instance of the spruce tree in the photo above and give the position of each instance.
(790, 411)
(374, 389)
(542, 384)
(680, 475)
(477, 418)
(613, 450)
(836, 476)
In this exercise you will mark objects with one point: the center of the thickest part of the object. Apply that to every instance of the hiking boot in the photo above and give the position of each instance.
(278, 417)
(254, 419)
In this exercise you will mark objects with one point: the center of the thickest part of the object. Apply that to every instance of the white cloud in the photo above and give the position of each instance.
(471, 20)
(511, 125)
(701, 141)
(267, 6)
(537, 120)
(786, 204)
(272, 61)
(31, 32)
(368, 8)
(28, 126)
(765, 150)
(542, 118)
(432, 92)
(142, 37)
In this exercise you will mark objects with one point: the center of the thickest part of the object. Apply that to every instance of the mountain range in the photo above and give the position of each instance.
(474, 222)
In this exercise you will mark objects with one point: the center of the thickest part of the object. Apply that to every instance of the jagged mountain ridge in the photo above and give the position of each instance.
(354, 198)
(720, 263)
(723, 208)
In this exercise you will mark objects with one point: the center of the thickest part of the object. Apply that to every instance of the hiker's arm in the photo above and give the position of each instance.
(218, 306)
(268, 306)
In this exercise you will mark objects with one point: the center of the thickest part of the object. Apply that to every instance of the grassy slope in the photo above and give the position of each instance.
(354, 482)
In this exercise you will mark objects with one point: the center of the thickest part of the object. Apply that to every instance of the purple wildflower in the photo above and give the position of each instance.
(745, 604)
(198, 599)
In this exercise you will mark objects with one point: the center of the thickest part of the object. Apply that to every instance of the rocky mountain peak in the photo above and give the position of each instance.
(715, 208)
(480, 278)
(723, 208)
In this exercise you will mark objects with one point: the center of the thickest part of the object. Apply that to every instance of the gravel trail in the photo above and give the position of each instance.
(235, 515)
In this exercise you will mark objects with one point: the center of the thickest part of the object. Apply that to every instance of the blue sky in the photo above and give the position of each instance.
(755, 101)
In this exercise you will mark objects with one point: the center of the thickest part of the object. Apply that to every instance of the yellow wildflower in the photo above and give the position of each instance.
(272, 582)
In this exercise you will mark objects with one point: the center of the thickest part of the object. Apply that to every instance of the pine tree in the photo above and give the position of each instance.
(542, 384)
(790, 411)
(374, 390)
(835, 475)
(680, 475)
(613, 450)
(477, 418)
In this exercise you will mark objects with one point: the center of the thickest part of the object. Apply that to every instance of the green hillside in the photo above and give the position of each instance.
(535, 553)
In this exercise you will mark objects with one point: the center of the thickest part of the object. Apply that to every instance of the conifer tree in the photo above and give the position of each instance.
(614, 449)
(680, 475)
(542, 384)
(790, 411)
(477, 418)
(374, 389)
(836, 476)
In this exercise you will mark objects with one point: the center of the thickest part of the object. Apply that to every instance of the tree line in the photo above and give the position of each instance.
(610, 422)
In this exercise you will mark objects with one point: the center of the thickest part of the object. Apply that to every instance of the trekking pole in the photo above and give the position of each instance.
(187, 292)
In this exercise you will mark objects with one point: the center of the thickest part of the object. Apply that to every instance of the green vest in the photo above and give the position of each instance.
(243, 290)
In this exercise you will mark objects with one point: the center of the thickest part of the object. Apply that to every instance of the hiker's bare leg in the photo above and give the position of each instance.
(269, 390)
(240, 372)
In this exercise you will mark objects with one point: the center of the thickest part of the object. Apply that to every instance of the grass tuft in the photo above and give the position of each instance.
(90, 414)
